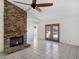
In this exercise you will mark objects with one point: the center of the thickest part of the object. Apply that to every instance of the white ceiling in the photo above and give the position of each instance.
(60, 9)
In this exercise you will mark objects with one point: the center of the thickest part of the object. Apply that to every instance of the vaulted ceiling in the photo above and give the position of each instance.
(60, 9)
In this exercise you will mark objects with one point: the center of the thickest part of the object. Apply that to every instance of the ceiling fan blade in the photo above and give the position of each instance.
(22, 3)
(38, 9)
(34, 1)
(44, 5)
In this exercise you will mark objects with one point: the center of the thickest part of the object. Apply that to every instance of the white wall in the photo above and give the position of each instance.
(69, 29)
(1, 25)
(30, 27)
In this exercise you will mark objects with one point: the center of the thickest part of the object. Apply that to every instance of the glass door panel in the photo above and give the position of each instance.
(55, 32)
(48, 32)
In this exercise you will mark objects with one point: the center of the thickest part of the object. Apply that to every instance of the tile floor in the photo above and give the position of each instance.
(45, 50)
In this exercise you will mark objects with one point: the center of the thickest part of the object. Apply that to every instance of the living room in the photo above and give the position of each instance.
(63, 12)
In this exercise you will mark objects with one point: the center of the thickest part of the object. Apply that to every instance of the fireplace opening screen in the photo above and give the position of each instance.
(15, 41)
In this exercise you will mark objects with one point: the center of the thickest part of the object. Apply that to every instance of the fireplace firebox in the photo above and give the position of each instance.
(15, 41)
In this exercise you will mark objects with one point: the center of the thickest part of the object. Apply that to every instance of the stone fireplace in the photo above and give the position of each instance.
(15, 28)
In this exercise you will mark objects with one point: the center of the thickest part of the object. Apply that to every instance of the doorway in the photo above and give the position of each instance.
(52, 32)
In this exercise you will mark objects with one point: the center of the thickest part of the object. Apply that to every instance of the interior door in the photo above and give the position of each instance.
(52, 32)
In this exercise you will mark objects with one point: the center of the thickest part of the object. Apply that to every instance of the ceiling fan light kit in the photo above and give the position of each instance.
(36, 6)
(33, 5)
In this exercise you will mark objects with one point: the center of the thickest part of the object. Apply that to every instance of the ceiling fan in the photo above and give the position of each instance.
(36, 6)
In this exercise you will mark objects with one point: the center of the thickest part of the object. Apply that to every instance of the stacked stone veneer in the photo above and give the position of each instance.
(14, 25)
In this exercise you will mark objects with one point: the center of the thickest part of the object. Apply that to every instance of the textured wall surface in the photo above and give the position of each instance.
(14, 23)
